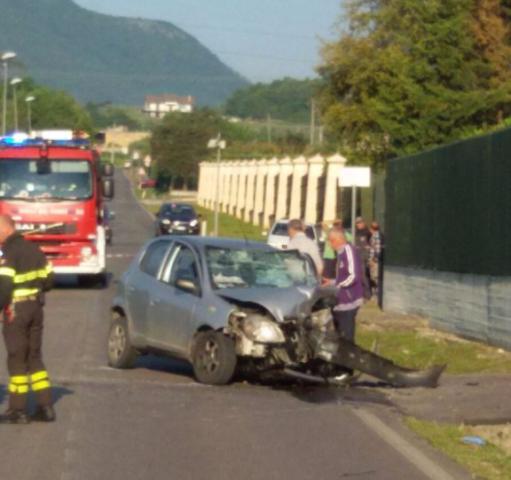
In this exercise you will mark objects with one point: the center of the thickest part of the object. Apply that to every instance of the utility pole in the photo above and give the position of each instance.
(29, 101)
(5, 57)
(313, 122)
(220, 145)
(321, 134)
(14, 83)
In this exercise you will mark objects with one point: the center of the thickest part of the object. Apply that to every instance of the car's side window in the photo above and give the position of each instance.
(182, 266)
(153, 258)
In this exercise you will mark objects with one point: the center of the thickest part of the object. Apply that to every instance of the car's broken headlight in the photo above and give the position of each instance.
(259, 329)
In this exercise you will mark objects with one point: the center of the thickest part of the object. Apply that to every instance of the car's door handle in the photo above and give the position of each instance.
(131, 289)
(153, 303)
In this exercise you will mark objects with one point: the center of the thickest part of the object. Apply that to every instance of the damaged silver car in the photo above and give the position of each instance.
(237, 307)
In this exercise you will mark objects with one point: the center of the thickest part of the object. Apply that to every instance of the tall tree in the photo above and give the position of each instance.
(407, 75)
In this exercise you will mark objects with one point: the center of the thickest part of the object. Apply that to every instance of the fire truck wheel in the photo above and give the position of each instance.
(121, 353)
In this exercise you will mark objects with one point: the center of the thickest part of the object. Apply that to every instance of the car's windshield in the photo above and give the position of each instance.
(234, 268)
(280, 229)
(39, 179)
(178, 212)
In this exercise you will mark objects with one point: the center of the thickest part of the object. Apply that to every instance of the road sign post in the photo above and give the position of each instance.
(220, 145)
(354, 177)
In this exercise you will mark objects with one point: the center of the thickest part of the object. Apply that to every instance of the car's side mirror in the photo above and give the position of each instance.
(108, 170)
(108, 188)
(186, 285)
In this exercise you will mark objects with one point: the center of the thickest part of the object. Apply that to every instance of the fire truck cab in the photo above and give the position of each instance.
(54, 190)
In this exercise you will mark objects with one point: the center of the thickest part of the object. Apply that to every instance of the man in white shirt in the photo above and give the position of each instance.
(301, 242)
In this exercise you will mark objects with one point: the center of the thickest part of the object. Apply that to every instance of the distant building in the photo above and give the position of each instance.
(157, 106)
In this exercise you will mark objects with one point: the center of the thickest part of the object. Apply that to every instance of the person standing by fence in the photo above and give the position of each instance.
(375, 254)
(363, 244)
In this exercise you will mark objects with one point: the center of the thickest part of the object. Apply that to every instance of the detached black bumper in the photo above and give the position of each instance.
(346, 354)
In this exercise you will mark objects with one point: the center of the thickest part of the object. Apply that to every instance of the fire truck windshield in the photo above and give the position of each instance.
(40, 180)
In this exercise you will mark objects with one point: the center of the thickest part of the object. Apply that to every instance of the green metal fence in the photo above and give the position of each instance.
(449, 209)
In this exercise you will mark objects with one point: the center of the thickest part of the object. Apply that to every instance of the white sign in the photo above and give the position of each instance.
(147, 161)
(355, 177)
(216, 143)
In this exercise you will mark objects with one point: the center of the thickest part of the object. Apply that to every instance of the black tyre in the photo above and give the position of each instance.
(121, 353)
(214, 358)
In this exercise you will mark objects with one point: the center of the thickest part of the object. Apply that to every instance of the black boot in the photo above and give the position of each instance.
(15, 417)
(44, 414)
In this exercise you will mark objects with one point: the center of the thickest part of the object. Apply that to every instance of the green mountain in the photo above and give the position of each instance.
(104, 58)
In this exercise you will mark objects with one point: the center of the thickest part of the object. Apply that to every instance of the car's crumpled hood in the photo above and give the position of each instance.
(280, 302)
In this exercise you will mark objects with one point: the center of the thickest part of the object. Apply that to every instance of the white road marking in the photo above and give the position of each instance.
(136, 199)
(418, 459)
(120, 255)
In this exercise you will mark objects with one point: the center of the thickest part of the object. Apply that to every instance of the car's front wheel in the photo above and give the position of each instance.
(121, 353)
(214, 358)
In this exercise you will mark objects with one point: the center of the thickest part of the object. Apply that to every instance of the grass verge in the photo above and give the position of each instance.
(230, 226)
(488, 461)
(409, 341)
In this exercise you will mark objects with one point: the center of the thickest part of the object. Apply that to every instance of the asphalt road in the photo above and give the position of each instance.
(155, 422)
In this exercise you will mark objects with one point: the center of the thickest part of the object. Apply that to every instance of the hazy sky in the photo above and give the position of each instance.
(261, 39)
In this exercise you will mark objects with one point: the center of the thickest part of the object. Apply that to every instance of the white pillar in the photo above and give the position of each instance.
(207, 184)
(334, 167)
(226, 190)
(283, 198)
(214, 185)
(316, 167)
(242, 190)
(262, 171)
(251, 189)
(300, 169)
(235, 176)
(269, 200)
(201, 185)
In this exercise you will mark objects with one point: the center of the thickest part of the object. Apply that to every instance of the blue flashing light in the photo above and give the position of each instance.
(23, 140)
(16, 140)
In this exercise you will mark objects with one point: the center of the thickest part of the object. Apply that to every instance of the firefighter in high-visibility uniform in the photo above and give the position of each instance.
(25, 276)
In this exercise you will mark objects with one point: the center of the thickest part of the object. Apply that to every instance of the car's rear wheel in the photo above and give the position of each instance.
(121, 353)
(214, 358)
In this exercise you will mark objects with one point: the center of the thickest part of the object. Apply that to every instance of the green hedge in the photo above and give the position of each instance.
(449, 209)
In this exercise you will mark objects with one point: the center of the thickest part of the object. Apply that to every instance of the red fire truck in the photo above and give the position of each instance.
(54, 190)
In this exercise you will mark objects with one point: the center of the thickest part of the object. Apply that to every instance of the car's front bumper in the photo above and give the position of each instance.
(179, 230)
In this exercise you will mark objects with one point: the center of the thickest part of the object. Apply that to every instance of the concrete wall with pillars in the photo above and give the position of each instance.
(261, 191)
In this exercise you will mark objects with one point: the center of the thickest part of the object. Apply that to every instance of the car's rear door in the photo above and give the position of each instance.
(172, 309)
(141, 282)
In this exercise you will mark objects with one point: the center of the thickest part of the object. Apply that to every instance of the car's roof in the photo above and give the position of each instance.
(286, 221)
(215, 242)
(177, 204)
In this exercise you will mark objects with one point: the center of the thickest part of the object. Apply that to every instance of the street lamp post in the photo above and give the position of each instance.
(5, 57)
(29, 101)
(14, 83)
(220, 145)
